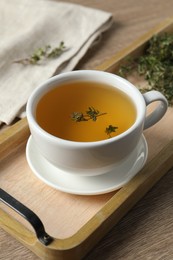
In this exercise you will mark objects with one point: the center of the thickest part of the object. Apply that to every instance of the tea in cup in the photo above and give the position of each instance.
(86, 122)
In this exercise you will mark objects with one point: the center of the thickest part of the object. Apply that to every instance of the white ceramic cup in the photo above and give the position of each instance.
(93, 158)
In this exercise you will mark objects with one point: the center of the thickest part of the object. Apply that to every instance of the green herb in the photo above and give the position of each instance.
(78, 117)
(57, 51)
(156, 65)
(91, 114)
(43, 53)
(126, 69)
(110, 129)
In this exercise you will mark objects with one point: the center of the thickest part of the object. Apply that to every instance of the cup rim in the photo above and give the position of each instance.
(51, 83)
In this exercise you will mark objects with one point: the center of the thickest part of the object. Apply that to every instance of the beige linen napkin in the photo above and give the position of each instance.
(28, 25)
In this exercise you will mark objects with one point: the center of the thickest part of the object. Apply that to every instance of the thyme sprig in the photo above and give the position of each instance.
(156, 65)
(45, 52)
(91, 114)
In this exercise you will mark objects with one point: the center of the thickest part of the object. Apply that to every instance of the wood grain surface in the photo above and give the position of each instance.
(146, 232)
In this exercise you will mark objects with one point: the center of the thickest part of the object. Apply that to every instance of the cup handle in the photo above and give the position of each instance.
(159, 111)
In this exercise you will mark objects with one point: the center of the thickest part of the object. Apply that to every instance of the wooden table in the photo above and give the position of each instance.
(146, 232)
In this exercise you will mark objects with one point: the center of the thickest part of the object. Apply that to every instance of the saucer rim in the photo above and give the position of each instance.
(79, 191)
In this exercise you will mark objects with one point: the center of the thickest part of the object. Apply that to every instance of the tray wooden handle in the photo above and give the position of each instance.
(28, 214)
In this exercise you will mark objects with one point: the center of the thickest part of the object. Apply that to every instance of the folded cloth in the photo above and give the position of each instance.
(27, 26)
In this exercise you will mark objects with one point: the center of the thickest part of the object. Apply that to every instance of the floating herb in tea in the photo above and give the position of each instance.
(43, 53)
(156, 65)
(110, 129)
(78, 117)
(92, 114)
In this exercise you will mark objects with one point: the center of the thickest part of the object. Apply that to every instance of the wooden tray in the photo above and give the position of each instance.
(77, 223)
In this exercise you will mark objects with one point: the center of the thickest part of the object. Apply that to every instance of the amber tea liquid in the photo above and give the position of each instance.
(54, 111)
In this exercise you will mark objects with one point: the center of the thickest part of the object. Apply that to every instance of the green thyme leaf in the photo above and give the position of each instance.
(110, 129)
(78, 117)
(57, 51)
(92, 113)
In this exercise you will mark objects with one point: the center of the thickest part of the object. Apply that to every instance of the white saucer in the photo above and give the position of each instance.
(86, 185)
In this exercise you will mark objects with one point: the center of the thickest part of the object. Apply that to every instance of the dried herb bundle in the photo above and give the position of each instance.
(156, 65)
